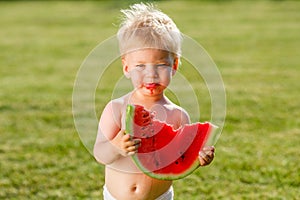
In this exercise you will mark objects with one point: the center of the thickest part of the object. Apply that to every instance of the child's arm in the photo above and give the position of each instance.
(111, 143)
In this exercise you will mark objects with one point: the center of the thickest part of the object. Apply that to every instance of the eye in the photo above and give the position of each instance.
(162, 66)
(140, 66)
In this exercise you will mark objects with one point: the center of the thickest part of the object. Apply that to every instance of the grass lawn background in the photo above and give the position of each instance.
(255, 44)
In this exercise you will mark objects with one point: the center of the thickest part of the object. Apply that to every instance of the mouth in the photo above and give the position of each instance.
(151, 86)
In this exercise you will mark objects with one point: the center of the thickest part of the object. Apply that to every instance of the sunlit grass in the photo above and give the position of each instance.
(254, 44)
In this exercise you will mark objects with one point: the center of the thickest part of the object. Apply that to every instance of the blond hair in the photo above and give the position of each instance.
(144, 26)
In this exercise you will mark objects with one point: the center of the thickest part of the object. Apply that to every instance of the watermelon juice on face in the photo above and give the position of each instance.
(150, 70)
(151, 86)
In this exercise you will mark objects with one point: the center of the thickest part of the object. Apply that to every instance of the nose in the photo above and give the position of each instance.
(151, 71)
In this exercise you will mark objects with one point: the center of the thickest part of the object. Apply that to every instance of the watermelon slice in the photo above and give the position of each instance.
(166, 153)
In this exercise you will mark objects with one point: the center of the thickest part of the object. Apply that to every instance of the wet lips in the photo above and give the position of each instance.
(151, 86)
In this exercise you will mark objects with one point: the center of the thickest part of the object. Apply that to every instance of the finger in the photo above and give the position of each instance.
(209, 158)
(131, 153)
(132, 143)
(128, 144)
(202, 161)
(205, 160)
(133, 148)
(126, 138)
(209, 151)
(137, 141)
(202, 154)
(211, 154)
(206, 157)
(209, 148)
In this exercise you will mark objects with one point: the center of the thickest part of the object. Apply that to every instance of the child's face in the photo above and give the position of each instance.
(150, 70)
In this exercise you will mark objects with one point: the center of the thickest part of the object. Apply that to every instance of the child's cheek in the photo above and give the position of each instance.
(136, 80)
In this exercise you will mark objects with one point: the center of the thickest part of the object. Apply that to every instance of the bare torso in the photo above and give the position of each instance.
(122, 178)
(129, 186)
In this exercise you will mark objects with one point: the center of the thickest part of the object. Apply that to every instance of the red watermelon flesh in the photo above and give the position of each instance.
(165, 153)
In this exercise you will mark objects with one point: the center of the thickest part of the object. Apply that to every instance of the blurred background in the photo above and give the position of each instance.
(255, 45)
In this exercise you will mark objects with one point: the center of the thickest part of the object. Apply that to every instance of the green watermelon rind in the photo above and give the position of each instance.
(128, 130)
(170, 176)
(129, 119)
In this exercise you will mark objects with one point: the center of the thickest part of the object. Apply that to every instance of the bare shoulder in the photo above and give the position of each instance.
(116, 107)
(111, 118)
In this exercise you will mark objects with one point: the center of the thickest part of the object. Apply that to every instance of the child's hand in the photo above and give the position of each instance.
(126, 145)
(206, 155)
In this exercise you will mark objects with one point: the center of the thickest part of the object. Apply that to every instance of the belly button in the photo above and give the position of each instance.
(134, 188)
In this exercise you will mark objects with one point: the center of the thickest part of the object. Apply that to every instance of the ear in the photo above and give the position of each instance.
(125, 68)
(175, 65)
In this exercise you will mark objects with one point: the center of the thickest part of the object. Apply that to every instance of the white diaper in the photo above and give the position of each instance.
(106, 194)
(168, 195)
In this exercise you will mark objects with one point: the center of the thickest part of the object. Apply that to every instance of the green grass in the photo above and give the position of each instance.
(255, 45)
